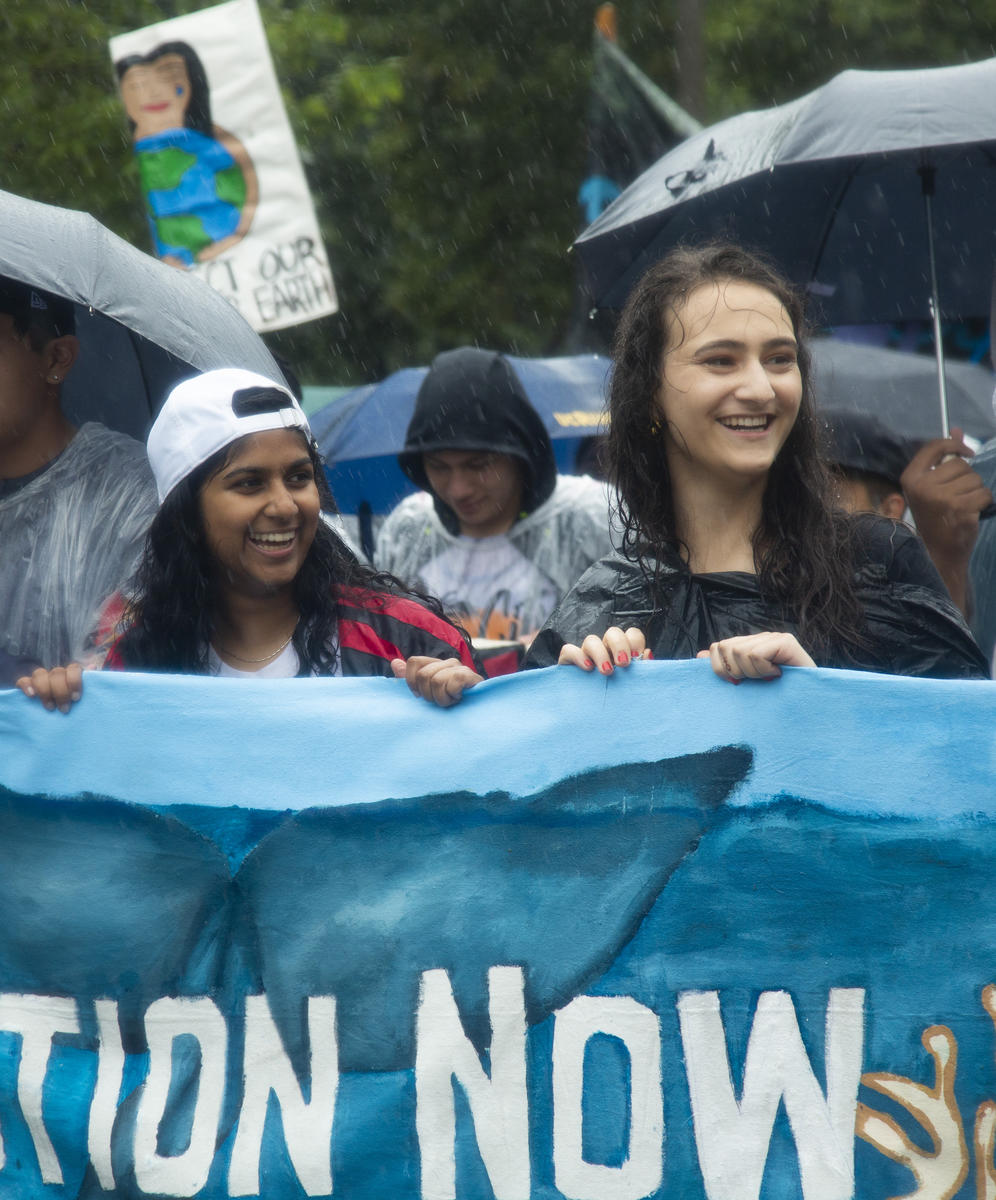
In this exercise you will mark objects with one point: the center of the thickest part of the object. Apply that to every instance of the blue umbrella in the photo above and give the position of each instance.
(361, 433)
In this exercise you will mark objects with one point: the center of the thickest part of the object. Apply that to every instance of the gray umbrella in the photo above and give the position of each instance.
(142, 326)
(877, 191)
(901, 389)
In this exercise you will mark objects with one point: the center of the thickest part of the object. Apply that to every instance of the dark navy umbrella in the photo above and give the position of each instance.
(143, 326)
(361, 433)
(877, 191)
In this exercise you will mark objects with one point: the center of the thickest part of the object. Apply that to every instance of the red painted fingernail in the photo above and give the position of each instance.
(606, 668)
(648, 654)
(768, 678)
(622, 659)
(588, 664)
(735, 682)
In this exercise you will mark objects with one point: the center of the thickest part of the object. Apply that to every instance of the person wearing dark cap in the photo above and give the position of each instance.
(868, 460)
(496, 533)
(74, 503)
(878, 471)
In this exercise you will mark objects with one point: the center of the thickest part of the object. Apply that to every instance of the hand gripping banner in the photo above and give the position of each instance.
(650, 936)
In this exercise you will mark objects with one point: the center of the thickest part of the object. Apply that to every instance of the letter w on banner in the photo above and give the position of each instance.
(225, 193)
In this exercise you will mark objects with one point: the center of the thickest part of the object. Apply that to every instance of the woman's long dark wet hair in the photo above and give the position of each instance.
(802, 547)
(169, 620)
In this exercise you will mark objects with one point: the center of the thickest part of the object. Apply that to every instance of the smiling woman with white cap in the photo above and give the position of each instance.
(241, 574)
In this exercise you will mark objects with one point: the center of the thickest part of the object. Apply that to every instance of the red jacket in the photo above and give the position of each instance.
(373, 628)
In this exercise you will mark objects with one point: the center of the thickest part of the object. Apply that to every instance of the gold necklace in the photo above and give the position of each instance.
(266, 657)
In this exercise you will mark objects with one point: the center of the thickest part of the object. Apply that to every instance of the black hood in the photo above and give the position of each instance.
(473, 400)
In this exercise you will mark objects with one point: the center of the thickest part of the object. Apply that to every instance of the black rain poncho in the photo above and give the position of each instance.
(911, 627)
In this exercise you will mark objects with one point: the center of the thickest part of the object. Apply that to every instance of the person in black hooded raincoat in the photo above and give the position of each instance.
(733, 549)
(496, 533)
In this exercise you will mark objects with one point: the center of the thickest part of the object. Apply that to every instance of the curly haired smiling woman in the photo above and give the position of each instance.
(733, 548)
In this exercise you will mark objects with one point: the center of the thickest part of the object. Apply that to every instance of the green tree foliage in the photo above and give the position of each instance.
(761, 52)
(63, 135)
(445, 146)
(443, 141)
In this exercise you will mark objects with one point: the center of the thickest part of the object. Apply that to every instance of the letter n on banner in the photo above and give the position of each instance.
(498, 1105)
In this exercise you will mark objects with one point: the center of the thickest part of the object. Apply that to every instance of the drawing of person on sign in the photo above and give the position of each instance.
(200, 185)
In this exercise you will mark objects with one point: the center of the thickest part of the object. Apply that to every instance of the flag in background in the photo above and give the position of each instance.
(224, 189)
(631, 122)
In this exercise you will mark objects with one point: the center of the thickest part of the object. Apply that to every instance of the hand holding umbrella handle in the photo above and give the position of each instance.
(946, 497)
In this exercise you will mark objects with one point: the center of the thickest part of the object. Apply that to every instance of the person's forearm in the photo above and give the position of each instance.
(953, 570)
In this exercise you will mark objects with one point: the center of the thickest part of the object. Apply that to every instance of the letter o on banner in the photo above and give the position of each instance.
(638, 1028)
(165, 1020)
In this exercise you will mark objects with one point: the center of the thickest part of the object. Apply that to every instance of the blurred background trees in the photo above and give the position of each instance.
(445, 141)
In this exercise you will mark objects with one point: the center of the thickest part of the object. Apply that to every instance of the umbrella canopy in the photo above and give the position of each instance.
(833, 186)
(143, 326)
(361, 433)
(901, 389)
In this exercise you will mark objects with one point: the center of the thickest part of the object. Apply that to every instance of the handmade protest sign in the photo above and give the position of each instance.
(645, 936)
(224, 189)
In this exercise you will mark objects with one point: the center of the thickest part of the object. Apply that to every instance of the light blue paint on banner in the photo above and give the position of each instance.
(821, 733)
(647, 936)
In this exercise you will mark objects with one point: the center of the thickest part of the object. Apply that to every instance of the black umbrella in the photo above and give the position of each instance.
(142, 326)
(876, 191)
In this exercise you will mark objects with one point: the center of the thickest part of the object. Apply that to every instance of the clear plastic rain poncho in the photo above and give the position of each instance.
(68, 539)
(504, 586)
(560, 539)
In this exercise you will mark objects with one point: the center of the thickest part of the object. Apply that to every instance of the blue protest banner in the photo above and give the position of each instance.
(585, 938)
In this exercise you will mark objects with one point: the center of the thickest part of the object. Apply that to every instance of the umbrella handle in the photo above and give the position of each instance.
(942, 389)
(927, 174)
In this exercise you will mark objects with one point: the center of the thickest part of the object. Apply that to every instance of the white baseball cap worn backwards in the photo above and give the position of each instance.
(207, 413)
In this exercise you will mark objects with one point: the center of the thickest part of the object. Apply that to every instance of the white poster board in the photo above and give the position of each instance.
(225, 192)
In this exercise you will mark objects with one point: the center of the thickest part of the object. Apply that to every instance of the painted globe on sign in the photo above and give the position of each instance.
(195, 192)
